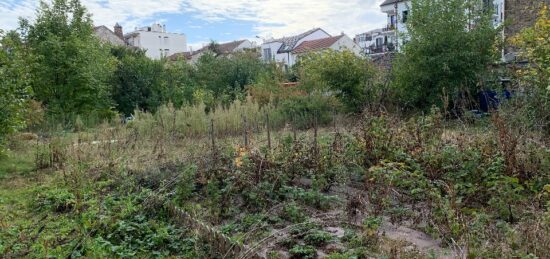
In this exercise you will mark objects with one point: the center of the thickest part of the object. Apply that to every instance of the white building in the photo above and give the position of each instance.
(156, 41)
(280, 50)
(398, 12)
(376, 42)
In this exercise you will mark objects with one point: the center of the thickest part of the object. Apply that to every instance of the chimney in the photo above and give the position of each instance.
(118, 31)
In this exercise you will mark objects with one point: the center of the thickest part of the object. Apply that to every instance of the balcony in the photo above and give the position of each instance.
(380, 49)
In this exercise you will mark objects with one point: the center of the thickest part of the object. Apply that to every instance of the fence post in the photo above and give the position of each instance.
(245, 133)
(294, 128)
(212, 137)
(268, 132)
(315, 147)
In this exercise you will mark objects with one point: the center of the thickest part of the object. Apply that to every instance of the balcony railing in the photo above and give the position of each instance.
(374, 49)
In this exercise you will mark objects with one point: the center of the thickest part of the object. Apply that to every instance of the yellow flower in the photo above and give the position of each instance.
(241, 153)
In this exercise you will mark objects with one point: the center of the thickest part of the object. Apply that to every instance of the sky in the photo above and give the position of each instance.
(222, 20)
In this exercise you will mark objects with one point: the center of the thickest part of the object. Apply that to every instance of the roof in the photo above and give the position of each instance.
(388, 2)
(186, 55)
(289, 43)
(224, 48)
(109, 31)
(314, 45)
(230, 46)
(103, 27)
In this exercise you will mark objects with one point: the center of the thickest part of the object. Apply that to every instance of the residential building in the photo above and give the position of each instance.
(397, 15)
(376, 42)
(518, 14)
(225, 49)
(338, 43)
(106, 35)
(157, 42)
(280, 50)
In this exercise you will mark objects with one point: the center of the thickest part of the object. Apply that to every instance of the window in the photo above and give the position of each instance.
(393, 21)
(405, 16)
(379, 42)
(267, 54)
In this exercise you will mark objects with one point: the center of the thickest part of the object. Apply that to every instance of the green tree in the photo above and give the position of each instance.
(534, 43)
(534, 46)
(14, 85)
(137, 82)
(448, 47)
(72, 69)
(180, 83)
(226, 76)
(343, 73)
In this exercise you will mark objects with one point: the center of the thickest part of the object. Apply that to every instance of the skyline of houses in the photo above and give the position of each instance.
(159, 43)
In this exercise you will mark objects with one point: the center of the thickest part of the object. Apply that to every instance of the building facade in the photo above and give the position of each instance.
(156, 41)
(514, 14)
(376, 42)
(280, 50)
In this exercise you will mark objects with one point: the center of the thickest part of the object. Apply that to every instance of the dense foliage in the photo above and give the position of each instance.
(71, 70)
(446, 52)
(342, 73)
(534, 46)
(14, 85)
(227, 146)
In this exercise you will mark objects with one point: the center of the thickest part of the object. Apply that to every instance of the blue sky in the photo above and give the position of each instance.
(222, 20)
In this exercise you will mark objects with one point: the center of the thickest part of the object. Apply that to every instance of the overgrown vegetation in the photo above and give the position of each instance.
(328, 167)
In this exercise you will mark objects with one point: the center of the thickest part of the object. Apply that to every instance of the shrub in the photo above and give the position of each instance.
(341, 73)
(56, 200)
(441, 58)
(317, 238)
(303, 252)
(304, 111)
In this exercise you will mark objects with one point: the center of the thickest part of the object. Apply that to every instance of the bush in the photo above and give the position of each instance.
(303, 252)
(341, 73)
(304, 111)
(56, 200)
(317, 238)
(441, 59)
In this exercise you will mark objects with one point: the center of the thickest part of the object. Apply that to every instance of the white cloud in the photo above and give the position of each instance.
(129, 13)
(12, 10)
(270, 17)
(285, 17)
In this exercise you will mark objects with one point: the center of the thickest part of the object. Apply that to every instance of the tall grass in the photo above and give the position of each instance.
(194, 121)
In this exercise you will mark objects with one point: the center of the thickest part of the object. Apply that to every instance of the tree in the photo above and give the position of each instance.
(534, 44)
(225, 77)
(137, 82)
(448, 47)
(348, 76)
(14, 85)
(72, 69)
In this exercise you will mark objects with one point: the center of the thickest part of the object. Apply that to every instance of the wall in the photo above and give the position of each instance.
(398, 11)
(346, 43)
(245, 45)
(287, 58)
(156, 43)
